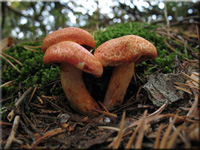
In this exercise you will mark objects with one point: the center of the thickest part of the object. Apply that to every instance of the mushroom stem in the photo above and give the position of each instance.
(119, 82)
(75, 90)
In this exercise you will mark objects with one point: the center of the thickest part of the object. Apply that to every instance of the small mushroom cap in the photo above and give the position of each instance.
(74, 34)
(74, 54)
(125, 49)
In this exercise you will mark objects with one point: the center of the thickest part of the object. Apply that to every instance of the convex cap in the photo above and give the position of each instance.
(74, 34)
(125, 49)
(74, 54)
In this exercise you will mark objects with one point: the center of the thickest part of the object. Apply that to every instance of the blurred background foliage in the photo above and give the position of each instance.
(33, 19)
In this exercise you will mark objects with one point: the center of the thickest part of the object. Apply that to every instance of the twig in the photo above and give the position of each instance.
(33, 93)
(23, 96)
(49, 111)
(40, 100)
(27, 130)
(186, 18)
(56, 106)
(31, 124)
(11, 137)
(47, 135)
(11, 114)
(5, 123)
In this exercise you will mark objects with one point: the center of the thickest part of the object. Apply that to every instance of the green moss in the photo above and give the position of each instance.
(33, 71)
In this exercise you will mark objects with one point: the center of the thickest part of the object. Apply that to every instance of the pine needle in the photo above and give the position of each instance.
(12, 58)
(138, 143)
(109, 128)
(6, 84)
(164, 140)
(157, 140)
(30, 48)
(190, 78)
(173, 138)
(10, 63)
(115, 144)
(106, 113)
(183, 89)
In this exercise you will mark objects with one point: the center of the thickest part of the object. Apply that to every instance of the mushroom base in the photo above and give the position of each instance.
(119, 82)
(75, 90)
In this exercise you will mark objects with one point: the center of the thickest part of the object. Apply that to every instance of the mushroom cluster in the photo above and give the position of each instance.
(65, 47)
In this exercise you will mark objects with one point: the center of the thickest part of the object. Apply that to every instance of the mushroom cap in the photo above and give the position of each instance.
(74, 34)
(125, 49)
(74, 54)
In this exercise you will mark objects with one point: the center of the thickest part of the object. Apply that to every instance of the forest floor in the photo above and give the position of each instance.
(137, 123)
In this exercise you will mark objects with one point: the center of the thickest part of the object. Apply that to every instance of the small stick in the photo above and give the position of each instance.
(33, 93)
(31, 124)
(49, 111)
(13, 133)
(11, 114)
(47, 135)
(27, 130)
(23, 96)
(41, 101)
(5, 123)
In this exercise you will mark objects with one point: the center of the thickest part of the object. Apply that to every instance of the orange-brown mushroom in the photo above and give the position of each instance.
(73, 59)
(74, 34)
(123, 53)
